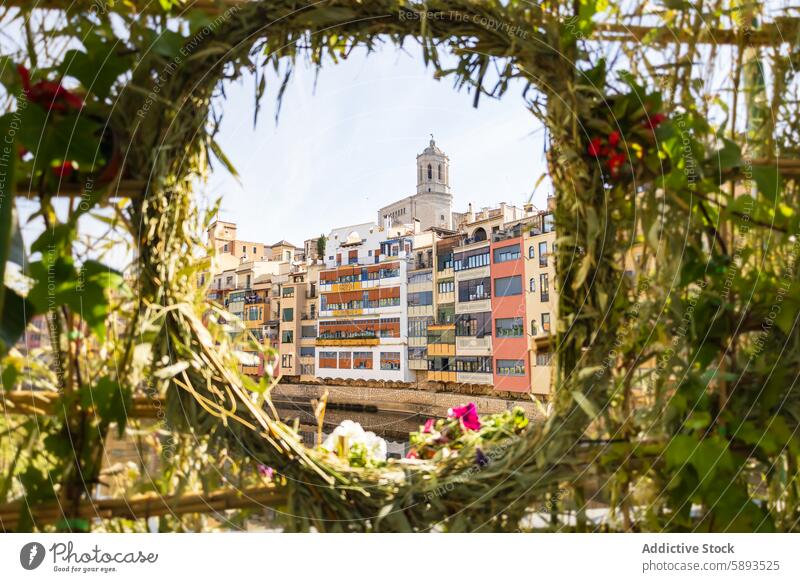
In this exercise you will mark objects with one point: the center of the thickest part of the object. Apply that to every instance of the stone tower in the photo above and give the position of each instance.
(433, 171)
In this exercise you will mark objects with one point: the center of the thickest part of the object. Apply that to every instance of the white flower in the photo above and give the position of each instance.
(355, 434)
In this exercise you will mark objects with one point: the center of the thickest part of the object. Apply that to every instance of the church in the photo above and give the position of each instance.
(432, 205)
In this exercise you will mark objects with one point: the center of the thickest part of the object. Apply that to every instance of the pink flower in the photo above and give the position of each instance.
(428, 426)
(266, 472)
(412, 454)
(468, 415)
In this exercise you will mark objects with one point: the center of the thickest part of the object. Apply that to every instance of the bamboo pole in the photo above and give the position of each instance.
(147, 505)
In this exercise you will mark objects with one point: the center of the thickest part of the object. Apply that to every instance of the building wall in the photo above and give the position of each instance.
(540, 230)
(364, 255)
(510, 307)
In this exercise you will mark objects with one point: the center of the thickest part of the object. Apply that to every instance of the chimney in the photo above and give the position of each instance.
(470, 213)
(417, 226)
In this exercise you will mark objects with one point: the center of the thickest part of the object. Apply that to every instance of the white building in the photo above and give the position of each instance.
(363, 320)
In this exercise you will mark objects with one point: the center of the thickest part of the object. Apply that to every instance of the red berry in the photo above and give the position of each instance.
(613, 139)
(64, 170)
(595, 147)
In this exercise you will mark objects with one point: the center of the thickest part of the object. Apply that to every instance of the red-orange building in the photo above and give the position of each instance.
(510, 342)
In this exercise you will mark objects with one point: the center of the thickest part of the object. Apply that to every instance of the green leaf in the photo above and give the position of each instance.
(586, 405)
(16, 313)
(730, 156)
(98, 67)
(768, 181)
(7, 194)
(110, 401)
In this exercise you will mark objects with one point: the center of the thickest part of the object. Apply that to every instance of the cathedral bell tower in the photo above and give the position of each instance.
(433, 171)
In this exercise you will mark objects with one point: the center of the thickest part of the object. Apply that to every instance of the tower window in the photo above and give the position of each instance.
(440, 171)
(430, 172)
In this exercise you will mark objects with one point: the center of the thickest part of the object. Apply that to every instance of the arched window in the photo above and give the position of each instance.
(531, 252)
(534, 327)
(532, 285)
(440, 171)
(420, 173)
(430, 172)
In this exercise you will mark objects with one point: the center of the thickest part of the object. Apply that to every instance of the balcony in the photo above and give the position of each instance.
(474, 346)
(507, 234)
(308, 316)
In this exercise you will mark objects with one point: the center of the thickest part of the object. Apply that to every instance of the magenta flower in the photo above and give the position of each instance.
(468, 415)
(265, 471)
(428, 426)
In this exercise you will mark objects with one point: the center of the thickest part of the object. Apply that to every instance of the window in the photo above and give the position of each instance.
(444, 261)
(543, 358)
(471, 259)
(390, 360)
(307, 352)
(474, 325)
(254, 250)
(546, 322)
(534, 327)
(362, 360)
(229, 280)
(474, 289)
(286, 361)
(532, 285)
(440, 171)
(430, 172)
(419, 327)
(447, 287)
(225, 248)
(308, 331)
(417, 353)
(531, 252)
(287, 337)
(417, 278)
(327, 359)
(542, 254)
(544, 286)
(446, 314)
(511, 367)
(507, 286)
(509, 327)
(480, 364)
(345, 360)
(288, 314)
(247, 284)
(352, 257)
(287, 292)
(253, 314)
(505, 254)
(420, 299)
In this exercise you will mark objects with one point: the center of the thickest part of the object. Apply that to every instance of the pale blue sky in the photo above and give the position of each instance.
(344, 149)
